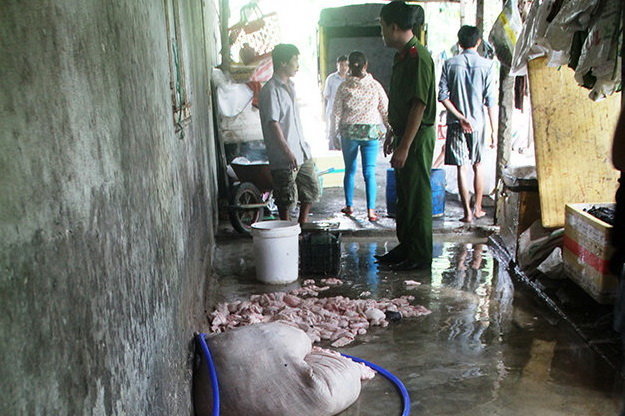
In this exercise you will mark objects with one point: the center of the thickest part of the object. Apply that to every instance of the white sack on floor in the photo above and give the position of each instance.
(272, 369)
(553, 266)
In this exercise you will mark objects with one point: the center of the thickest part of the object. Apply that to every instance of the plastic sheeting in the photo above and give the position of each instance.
(599, 56)
(232, 97)
(532, 43)
(551, 32)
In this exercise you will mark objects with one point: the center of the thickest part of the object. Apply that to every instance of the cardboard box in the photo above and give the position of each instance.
(587, 251)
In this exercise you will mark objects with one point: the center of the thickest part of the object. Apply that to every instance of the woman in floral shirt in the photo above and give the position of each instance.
(359, 119)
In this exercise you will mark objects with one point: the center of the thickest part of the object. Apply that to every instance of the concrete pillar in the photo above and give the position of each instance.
(463, 8)
(479, 15)
(504, 133)
(224, 12)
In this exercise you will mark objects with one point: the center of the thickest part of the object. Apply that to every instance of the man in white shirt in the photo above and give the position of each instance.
(329, 92)
(292, 168)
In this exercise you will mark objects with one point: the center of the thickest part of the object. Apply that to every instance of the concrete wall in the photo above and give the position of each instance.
(106, 213)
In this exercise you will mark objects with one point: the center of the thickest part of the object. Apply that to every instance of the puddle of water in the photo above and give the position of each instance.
(486, 349)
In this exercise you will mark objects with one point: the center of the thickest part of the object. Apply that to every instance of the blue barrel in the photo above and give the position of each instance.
(437, 180)
(391, 194)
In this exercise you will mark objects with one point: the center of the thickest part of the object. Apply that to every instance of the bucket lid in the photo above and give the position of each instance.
(273, 229)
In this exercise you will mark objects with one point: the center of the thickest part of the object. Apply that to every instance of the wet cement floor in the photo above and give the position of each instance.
(487, 348)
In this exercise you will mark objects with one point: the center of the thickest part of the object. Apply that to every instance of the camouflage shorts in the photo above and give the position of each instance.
(300, 185)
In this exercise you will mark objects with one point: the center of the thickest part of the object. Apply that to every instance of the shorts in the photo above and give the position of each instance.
(463, 148)
(299, 185)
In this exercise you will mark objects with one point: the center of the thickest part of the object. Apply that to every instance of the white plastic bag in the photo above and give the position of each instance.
(530, 44)
(232, 98)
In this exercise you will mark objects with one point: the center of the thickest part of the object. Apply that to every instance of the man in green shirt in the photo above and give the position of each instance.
(412, 113)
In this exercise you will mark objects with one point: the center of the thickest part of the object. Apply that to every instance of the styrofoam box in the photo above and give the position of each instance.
(587, 251)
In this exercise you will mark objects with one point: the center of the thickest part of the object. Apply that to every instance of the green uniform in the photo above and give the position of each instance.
(413, 78)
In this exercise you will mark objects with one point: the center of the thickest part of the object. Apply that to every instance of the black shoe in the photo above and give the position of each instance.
(387, 266)
(411, 265)
(389, 262)
(388, 258)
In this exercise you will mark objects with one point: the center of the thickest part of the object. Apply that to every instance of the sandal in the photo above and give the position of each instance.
(373, 218)
(347, 211)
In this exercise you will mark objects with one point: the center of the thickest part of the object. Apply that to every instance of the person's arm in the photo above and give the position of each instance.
(415, 116)
(492, 117)
(388, 142)
(490, 101)
(444, 98)
(387, 148)
(618, 144)
(281, 140)
(464, 122)
(383, 105)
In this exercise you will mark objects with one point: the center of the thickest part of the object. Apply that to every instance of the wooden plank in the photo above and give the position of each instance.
(573, 138)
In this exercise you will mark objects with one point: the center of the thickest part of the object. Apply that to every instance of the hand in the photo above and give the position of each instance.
(399, 158)
(292, 160)
(493, 142)
(466, 125)
(388, 143)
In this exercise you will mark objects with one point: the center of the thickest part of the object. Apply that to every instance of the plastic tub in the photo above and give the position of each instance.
(437, 181)
(391, 193)
(276, 251)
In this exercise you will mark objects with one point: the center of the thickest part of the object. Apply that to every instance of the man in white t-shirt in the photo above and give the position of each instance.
(329, 92)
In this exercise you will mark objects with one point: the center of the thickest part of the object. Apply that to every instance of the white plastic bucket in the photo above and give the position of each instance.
(276, 251)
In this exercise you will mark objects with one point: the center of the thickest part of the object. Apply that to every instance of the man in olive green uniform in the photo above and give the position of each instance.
(412, 113)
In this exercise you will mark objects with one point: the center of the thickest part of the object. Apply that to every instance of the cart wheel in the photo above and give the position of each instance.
(242, 219)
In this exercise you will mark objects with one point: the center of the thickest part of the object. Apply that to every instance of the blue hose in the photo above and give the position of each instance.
(210, 364)
(405, 398)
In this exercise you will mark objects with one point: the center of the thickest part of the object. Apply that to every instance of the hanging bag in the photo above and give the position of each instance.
(256, 34)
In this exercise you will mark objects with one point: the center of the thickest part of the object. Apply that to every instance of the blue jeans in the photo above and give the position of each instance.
(369, 156)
